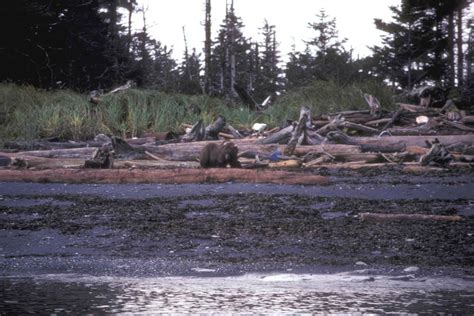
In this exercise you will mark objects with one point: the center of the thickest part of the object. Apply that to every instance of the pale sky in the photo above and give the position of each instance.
(354, 20)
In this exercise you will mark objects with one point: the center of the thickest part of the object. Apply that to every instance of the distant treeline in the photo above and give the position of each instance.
(90, 44)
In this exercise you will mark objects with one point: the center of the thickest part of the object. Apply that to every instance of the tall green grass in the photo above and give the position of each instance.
(324, 97)
(27, 113)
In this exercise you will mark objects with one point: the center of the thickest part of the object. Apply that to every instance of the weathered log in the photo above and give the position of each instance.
(362, 157)
(141, 141)
(394, 118)
(331, 149)
(124, 150)
(297, 134)
(32, 162)
(360, 117)
(378, 217)
(331, 126)
(153, 164)
(25, 162)
(103, 158)
(339, 137)
(313, 138)
(416, 109)
(279, 137)
(317, 161)
(226, 136)
(418, 169)
(95, 96)
(384, 148)
(4, 161)
(461, 148)
(48, 145)
(416, 150)
(359, 127)
(286, 164)
(459, 126)
(463, 158)
(349, 113)
(415, 140)
(129, 84)
(343, 156)
(354, 165)
(233, 131)
(172, 176)
(468, 119)
(438, 155)
(82, 153)
(190, 151)
(378, 122)
(306, 111)
(213, 130)
(319, 123)
(412, 131)
(374, 105)
(197, 133)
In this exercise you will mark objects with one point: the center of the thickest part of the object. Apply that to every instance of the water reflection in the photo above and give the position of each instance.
(335, 293)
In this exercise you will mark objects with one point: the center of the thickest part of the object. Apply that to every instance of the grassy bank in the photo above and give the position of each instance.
(27, 113)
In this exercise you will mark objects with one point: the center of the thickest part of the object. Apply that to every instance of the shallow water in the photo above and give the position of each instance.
(287, 293)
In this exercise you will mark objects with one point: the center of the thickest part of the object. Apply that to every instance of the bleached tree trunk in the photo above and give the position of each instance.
(452, 44)
(207, 48)
(459, 47)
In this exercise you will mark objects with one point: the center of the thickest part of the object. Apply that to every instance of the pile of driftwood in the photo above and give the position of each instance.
(412, 138)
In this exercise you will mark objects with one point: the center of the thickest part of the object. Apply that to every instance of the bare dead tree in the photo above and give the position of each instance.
(459, 46)
(207, 48)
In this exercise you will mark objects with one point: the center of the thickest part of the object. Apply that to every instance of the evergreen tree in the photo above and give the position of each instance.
(55, 43)
(419, 45)
(324, 57)
(467, 93)
(163, 73)
(231, 58)
(120, 37)
(268, 79)
(298, 68)
(154, 66)
(189, 74)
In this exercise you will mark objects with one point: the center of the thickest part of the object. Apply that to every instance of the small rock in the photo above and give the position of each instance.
(360, 263)
(411, 269)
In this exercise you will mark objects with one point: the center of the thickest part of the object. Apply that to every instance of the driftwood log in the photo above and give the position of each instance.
(197, 133)
(190, 151)
(393, 119)
(298, 135)
(279, 137)
(48, 145)
(171, 176)
(377, 217)
(213, 130)
(31, 162)
(412, 140)
(103, 158)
